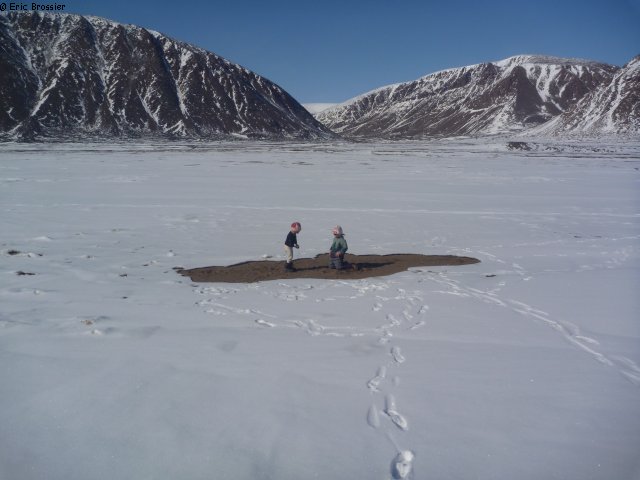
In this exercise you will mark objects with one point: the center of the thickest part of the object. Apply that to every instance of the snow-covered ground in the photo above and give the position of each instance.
(524, 366)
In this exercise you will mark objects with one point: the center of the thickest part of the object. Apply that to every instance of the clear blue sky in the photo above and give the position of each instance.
(330, 50)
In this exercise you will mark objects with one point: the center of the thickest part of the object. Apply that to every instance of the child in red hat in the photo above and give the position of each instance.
(290, 243)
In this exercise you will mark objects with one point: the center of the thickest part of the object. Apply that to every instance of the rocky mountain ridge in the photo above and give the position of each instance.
(511, 95)
(67, 75)
(613, 108)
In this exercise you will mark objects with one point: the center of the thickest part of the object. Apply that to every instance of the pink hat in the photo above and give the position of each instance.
(337, 230)
(296, 225)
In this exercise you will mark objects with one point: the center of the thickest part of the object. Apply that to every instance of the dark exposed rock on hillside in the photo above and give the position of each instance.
(613, 108)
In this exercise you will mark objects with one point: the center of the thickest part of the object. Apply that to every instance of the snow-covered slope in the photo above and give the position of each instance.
(614, 108)
(315, 108)
(72, 75)
(508, 95)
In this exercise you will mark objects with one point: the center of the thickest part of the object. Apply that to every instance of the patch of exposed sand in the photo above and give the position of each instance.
(358, 266)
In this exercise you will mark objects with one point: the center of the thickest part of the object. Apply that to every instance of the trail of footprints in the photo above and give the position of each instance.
(384, 414)
(384, 407)
(571, 332)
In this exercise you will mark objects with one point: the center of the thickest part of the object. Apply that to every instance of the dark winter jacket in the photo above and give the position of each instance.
(339, 246)
(292, 240)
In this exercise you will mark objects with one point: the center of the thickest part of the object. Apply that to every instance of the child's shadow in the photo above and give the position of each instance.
(347, 266)
(371, 265)
(311, 269)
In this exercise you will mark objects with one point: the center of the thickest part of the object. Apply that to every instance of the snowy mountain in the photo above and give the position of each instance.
(69, 75)
(614, 108)
(509, 95)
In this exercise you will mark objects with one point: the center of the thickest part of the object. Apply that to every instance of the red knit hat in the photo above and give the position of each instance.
(296, 225)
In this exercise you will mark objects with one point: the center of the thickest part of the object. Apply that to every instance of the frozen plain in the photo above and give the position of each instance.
(524, 366)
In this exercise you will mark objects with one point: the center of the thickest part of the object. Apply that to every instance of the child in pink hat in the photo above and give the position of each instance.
(338, 248)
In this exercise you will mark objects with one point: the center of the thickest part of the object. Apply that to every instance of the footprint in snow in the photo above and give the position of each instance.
(311, 326)
(391, 411)
(216, 291)
(373, 417)
(397, 356)
(402, 465)
(290, 297)
(374, 383)
(393, 321)
(93, 319)
(385, 337)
